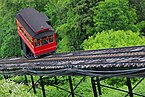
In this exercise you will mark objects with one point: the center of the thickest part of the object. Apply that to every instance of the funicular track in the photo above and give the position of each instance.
(126, 61)
(100, 64)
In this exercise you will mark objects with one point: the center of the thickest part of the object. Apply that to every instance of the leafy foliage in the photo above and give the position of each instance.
(10, 42)
(73, 20)
(114, 14)
(141, 26)
(58, 14)
(139, 5)
(112, 39)
(11, 89)
(10, 45)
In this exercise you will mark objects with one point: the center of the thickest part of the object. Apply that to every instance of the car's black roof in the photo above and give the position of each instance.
(33, 21)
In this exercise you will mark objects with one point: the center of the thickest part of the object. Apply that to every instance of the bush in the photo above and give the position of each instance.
(11, 89)
(112, 39)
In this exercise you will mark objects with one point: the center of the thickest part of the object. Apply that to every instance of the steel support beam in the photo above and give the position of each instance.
(55, 80)
(129, 87)
(98, 84)
(6, 77)
(71, 86)
(26, 81)
(33, 85)
(42, 85)
(94, 87)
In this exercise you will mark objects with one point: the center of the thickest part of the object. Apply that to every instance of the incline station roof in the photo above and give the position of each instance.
(33, 21)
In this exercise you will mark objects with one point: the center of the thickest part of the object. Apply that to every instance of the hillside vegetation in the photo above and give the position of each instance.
(75, 21)
(80, 25)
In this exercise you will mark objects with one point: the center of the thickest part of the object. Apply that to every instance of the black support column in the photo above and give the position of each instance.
(26, 81)
(129, 87)
(33, 85)
(42, 85)
(94, 87)
(99, 86)
(71, 86)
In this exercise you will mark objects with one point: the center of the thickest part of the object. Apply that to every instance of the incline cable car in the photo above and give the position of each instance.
(37, 37)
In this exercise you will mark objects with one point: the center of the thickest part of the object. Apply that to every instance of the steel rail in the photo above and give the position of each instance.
(89, 52)
(98, 60)
(136, 61)
(125, 54)
(103, 51)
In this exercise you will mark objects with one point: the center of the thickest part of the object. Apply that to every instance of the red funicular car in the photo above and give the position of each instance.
(36, 34)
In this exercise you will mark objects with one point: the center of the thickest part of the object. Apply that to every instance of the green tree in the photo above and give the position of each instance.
(59, 15)
(112, 39)
(73, 21)
(115, 14)
(139, 5)
(9, 37)
(84, 9)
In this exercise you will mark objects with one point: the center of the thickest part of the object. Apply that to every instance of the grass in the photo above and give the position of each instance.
(13, 89)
